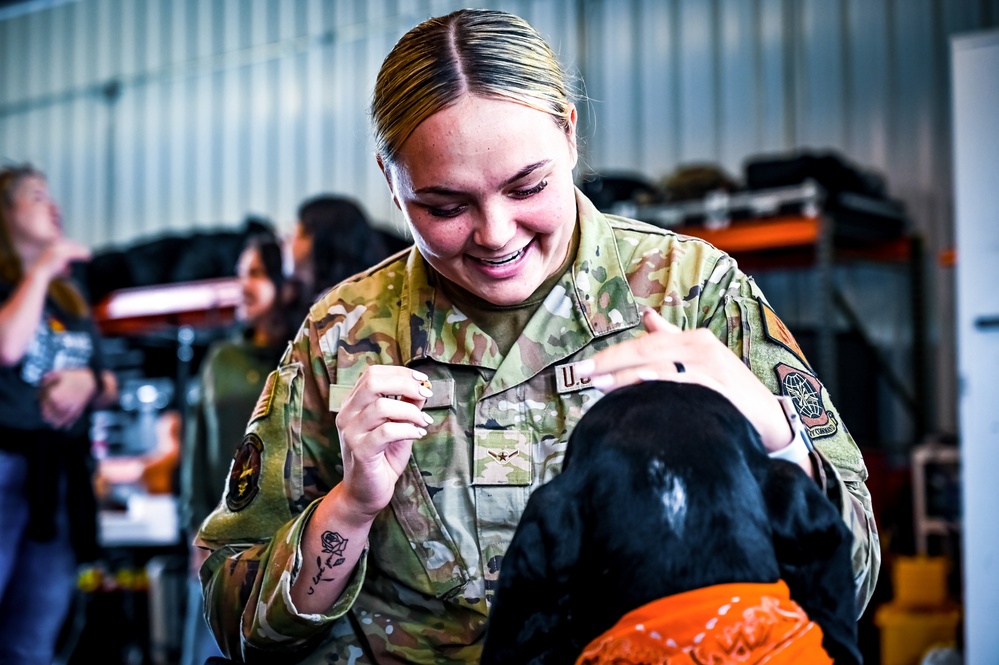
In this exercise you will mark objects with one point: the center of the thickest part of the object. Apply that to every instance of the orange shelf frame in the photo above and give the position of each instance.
(793, 233)
(134, 311)
(755, 236)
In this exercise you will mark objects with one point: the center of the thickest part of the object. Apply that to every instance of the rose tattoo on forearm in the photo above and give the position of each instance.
(333, 546)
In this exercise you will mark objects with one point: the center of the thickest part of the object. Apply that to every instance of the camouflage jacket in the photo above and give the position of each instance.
(421, 592)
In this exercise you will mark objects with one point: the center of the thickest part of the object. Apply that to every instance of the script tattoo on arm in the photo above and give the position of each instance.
(333, 547)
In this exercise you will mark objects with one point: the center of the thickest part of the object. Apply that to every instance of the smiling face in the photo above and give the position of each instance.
(34, 217)
(259, 292)
(487, 189)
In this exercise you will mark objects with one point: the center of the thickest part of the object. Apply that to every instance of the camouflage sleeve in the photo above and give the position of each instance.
(255, 532)
(735, 309)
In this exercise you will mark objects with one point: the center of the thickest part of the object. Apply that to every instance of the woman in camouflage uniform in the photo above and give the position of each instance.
(391, 453)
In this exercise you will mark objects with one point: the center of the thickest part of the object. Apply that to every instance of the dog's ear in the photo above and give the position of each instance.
(805, 522)
(813, 547)
(530, 620)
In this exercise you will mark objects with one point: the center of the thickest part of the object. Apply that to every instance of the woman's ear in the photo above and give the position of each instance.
(571, 134)
(387, 172)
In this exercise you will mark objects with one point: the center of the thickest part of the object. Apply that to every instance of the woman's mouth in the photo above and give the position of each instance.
(503, 260)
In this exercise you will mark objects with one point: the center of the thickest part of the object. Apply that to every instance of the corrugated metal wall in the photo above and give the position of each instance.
(153, 115)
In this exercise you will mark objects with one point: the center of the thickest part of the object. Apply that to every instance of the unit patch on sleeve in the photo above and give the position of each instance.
(244, 476)
(775, 330)
(805, 392)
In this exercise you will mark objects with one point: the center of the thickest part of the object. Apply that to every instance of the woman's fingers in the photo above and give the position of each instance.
(398, 431)
(629, 375)
(651, 356)
(402, 383)
(378, 423)
(654, 322)
(385, 395)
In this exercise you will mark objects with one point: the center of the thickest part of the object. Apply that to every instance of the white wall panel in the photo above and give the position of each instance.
(655, 118)
(819, 41)
(697, 85)
(738, 82)
(232, 107)
(775, 129)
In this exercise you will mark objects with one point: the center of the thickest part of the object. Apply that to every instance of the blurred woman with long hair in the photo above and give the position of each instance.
(50, 378)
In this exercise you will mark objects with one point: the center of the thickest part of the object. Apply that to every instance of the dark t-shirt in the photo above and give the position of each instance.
(61, 341)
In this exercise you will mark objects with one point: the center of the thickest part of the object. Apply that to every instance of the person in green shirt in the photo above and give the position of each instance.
(391, 453)
(231, 378)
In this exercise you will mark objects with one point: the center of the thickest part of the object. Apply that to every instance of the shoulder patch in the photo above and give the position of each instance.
(775, 330)
(805, 391)
(244, 476)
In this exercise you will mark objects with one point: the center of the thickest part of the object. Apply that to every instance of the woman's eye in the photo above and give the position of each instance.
(446, 212)
(525, 193)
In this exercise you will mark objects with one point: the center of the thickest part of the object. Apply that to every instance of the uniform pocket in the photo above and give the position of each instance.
(409, 542)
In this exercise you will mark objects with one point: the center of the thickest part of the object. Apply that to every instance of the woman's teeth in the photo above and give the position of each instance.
(505, 259)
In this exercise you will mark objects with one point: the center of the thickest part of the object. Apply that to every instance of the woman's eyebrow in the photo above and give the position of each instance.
(526, 171)
(522, 173)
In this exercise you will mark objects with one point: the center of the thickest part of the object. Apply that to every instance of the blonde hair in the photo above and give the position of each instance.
(61, 290)
(471, 51)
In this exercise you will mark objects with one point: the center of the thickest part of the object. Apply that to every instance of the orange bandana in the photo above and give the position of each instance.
(726, 624)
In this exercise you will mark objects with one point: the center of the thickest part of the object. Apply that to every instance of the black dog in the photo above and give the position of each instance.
(665, 488)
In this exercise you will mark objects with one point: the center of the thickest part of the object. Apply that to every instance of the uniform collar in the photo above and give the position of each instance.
(591, 300)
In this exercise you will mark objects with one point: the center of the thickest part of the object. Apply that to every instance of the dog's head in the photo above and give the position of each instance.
(665, 488)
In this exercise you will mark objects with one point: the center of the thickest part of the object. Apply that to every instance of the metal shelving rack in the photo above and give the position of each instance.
(794, 226)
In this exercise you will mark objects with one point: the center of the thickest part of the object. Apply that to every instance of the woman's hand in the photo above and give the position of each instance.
(56, 258)
(64, 395)
(378, 422)
(690, 356)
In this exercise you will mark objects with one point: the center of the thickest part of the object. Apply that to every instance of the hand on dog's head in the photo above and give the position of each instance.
(665, 488)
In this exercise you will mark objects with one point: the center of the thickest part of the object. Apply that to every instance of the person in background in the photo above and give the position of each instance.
(51, 377)
(378, 485)
(231, 378)
(333, 239)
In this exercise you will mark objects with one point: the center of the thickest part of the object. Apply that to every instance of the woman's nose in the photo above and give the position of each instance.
(495, 227)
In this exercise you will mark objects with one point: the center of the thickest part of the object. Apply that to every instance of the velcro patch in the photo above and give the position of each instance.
(442, 398)
(805, 392)
(244, 476)
(567, 380)
(502, 457)
(775, 330)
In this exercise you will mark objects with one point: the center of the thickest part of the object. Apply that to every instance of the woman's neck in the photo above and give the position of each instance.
(29, 253)
(268, 332)
(260, 336)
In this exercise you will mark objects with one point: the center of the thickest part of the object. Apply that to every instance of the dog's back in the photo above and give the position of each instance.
(665, 488)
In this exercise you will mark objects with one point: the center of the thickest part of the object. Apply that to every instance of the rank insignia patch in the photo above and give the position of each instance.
(263, 406)
(805, 392)
(244, 476)
(775, 330)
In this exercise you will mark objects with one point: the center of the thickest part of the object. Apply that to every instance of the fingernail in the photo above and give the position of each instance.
(585, 367)
(428, 418)
(420, 376)
(422, 432)
(602, 380)
(647, 375)
(426, 392)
